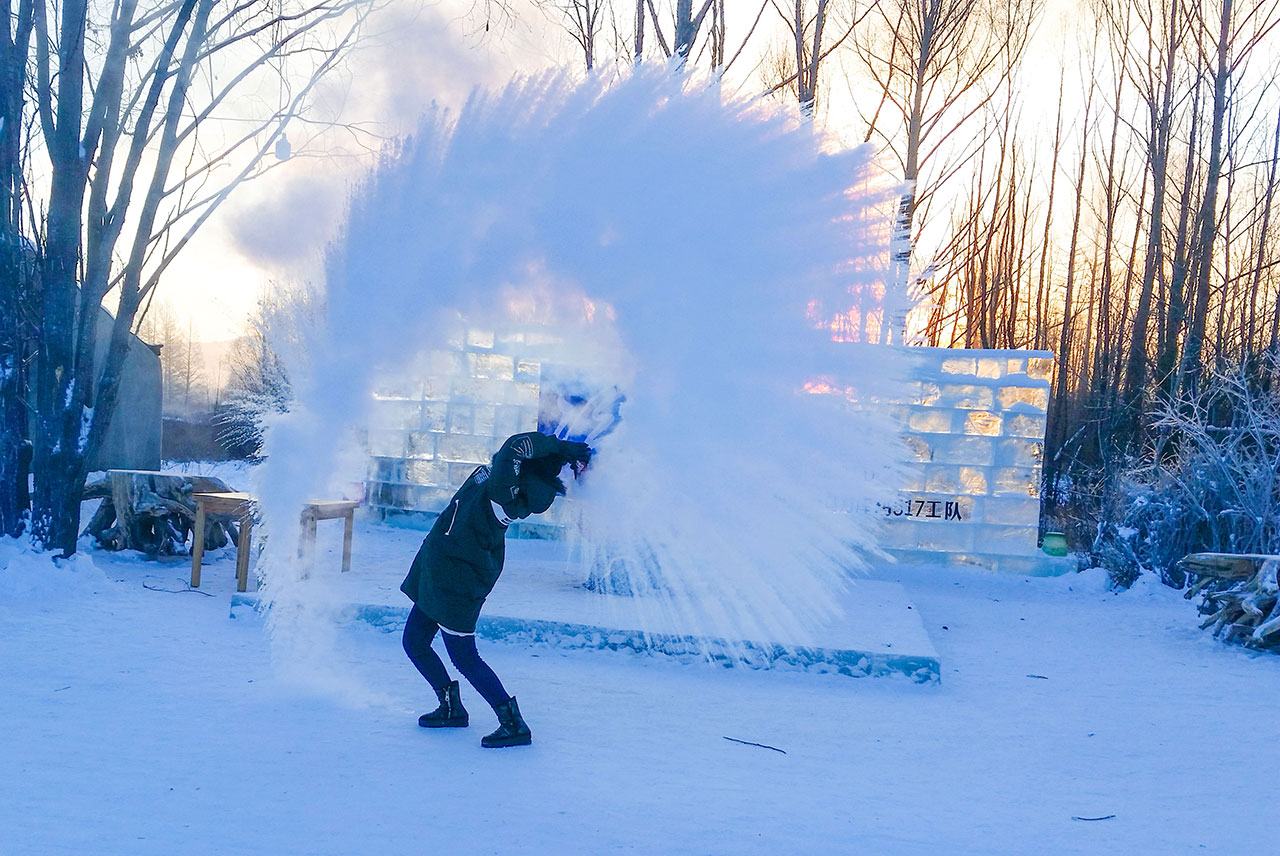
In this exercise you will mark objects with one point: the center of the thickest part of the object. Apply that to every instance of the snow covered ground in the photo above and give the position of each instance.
(140, 721)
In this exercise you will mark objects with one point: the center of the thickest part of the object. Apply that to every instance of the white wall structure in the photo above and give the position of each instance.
(975, 433)
(974, 430)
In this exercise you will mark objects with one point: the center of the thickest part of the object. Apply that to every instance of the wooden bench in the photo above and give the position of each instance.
(241, 507)
(327, 509)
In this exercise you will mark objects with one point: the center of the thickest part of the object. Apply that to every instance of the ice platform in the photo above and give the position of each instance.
(540, 600)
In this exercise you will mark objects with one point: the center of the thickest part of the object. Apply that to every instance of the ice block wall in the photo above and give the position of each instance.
(431, 426)
(975, 434)
(974, 430)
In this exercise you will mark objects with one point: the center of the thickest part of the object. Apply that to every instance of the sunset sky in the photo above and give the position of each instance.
(273, 230)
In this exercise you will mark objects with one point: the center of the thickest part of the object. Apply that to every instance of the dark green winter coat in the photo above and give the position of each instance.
(461, 557)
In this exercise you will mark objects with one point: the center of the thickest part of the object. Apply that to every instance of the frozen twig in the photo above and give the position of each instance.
(761, 745)
(177, 591)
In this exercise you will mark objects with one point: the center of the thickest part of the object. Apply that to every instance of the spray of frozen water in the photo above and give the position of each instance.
(691, 249)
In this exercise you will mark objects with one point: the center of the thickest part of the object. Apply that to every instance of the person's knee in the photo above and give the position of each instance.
(418, 633)
(406, 640)
(462, 650)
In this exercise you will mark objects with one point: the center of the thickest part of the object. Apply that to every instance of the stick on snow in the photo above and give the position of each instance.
(761, 745)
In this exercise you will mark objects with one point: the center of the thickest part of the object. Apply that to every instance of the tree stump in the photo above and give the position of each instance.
(153, 512)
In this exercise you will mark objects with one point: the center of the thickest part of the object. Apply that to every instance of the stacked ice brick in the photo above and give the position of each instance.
(432, 426)
(975, 431)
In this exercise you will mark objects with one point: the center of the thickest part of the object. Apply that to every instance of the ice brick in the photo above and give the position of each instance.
(1014, 452)
(1040, 368)
(436, 387)
(988, 367)
(528, 371)
(961, 449)
(973, 480)
(1012, 510)
(967, 396)
(427, 472)
(520, 393)
(942, 479)
(928, 394)
(421, 445)
(498, 366)
(917, 448)
(1025, 425)
(959, 366)
(464, 448)
(1006, 539)
(435, 416)
(1024, 398)
(386, 444)
(458, 473)
(931, 420)
(480, 339)
(486, 417)
(461, 418)
(913, 477)
(398, 386)
(404, 415)
(945, 537)
(447, 363)
(1016, 481)
(481, 390)
(982, 422)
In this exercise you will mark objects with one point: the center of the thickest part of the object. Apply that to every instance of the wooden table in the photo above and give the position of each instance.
(235, 504)
(241, 506)
(328, 509)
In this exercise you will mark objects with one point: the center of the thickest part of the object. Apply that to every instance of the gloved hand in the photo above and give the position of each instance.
(575, 452)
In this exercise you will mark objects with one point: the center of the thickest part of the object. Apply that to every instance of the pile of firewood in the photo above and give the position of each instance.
(154, 512)
(1239, 594)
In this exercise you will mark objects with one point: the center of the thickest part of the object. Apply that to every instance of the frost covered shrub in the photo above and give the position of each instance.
(259, 384)
(1208, 481)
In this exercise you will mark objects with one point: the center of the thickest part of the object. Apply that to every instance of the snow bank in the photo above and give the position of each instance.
(34, 576)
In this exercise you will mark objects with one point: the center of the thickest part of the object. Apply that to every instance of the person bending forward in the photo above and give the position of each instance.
(458, 564)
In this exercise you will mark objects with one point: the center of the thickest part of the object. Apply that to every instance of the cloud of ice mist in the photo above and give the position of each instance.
(412, 59)
(685, 245)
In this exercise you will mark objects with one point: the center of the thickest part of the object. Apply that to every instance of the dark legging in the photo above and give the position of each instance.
(419, 630)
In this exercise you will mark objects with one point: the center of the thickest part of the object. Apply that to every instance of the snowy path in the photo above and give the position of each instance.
(141, 722)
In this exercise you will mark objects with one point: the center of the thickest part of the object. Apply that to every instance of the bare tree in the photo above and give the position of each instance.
(127, 102)
(582, 20)
(799, 66)
(181, 365)
(1227, 40)
(15, 269)
(937, 64)
(1155, 78)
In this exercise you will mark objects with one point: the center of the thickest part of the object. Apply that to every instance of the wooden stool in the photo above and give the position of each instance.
(327, 509)
(238, 505)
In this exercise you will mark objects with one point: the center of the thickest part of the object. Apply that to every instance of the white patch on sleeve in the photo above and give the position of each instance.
(499, 513)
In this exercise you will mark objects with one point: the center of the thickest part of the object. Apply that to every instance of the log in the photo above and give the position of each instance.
(1227, 566)
(152, 512)
(1245, 605)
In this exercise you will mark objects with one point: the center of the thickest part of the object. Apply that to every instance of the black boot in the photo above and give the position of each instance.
(511, 728)
(450, 713)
